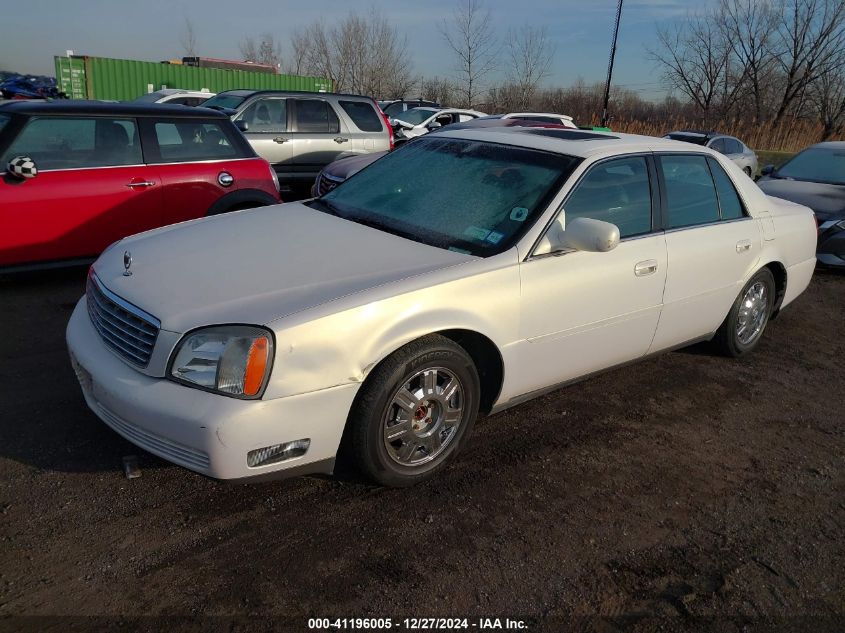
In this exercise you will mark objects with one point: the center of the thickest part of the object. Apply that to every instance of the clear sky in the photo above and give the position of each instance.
(31, 32)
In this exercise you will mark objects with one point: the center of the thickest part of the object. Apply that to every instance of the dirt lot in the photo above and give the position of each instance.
(688, 492)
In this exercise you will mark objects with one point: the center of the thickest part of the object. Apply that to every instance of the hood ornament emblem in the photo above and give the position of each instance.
(127, 264)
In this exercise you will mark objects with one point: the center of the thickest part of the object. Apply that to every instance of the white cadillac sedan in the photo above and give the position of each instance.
(469, 271)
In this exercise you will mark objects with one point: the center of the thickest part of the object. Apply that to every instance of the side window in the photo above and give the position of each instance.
(73, 143)
(363, 115)
(183, 141)
(719, 146)
(734, 146)
(729, 201)
(466, 117)
(269, 115)
(615, 191)
(316, 116)
(690, 194)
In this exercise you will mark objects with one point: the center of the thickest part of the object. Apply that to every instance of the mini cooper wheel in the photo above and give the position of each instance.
(414, 411)
(742, 329)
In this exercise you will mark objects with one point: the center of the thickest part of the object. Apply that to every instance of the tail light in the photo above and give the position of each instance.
(387, 123)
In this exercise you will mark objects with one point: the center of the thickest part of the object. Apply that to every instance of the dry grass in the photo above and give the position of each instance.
(786, 136)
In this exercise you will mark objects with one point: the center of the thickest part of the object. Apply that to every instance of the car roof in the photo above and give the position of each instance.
(516, 115)
(581, 143)
(102, 108)
(249, 93)
(829, 145)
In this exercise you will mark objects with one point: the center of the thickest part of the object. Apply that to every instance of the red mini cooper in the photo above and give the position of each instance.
(76, 176)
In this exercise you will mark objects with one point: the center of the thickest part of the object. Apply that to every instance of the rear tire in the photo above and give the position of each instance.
(743, 328)
(414, 412)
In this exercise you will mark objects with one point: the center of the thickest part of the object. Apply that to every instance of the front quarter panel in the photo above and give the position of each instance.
(341, 342)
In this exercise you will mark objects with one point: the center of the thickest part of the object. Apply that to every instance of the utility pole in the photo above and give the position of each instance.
(605, 118)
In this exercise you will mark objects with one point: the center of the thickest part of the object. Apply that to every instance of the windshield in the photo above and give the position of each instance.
(416, 115)
(698, 139)
(224, 101)
(463, 195)
(817, 164)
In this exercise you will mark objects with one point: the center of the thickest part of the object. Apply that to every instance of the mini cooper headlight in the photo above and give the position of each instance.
(233, 360)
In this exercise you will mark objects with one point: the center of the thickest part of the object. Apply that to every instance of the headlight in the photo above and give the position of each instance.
(233, 360)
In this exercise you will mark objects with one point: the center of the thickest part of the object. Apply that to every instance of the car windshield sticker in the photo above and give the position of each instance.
(476, 233)
(518, 214)
(494, 237)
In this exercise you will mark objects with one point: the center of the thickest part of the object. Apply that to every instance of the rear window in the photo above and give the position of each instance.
(363, 115)
(183, 141)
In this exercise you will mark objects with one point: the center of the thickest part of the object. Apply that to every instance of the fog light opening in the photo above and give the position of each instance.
(277, 453)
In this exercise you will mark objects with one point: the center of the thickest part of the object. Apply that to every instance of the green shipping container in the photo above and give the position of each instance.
(83, 77)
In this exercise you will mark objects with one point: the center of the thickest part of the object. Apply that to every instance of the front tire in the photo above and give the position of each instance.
(743, 327)
(414, 412)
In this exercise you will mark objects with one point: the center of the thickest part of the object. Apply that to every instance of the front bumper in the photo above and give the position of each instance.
(831, 246)
(205, 432)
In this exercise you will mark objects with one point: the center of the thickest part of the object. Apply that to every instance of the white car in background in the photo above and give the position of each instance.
(543, 117)
(472, 270)
(418, 121)
(730, 146)
(176, 96)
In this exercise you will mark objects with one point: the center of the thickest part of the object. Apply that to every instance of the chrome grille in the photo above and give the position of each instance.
(326, 183)
(127, 330)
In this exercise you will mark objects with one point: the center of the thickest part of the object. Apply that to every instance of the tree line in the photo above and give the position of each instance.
(758, 62)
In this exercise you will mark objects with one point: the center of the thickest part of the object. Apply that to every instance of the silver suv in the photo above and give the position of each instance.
(299, 133)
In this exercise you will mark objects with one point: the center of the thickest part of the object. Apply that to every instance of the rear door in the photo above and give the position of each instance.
(367, 131)
(318, 136)
(269, 131)
(191, 154)
(713, 246)
(92, 188)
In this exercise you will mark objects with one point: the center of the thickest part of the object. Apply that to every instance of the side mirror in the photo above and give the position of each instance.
(434, 125)
(768, 170)
(243, 126)
(22, 167)
(582, 234)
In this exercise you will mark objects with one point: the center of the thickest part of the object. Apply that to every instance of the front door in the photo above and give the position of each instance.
(91, 189)
(586, 311)
(268, 132)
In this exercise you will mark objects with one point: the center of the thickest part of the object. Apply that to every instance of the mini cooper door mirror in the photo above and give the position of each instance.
(768, 170)
(243, 126)
(581, 234)
(22, 167)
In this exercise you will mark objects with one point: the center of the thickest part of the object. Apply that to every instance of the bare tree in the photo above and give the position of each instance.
(188, 38)
(469, 34)
(695, 59)
(747, 27)
(810, 41)
(361, 53)
(828, 98)
(264, 50)
(529, 55)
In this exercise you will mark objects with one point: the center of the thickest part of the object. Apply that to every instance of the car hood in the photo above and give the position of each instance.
(346, 167)
(258, 265)
(828, 201)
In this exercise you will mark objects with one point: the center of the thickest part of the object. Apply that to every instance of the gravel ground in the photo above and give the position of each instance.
(687, 492)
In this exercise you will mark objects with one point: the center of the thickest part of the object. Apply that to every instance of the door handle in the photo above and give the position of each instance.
(340, 139)
(743, 245)
(648, 267)
(280, 140)
(142, 183)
